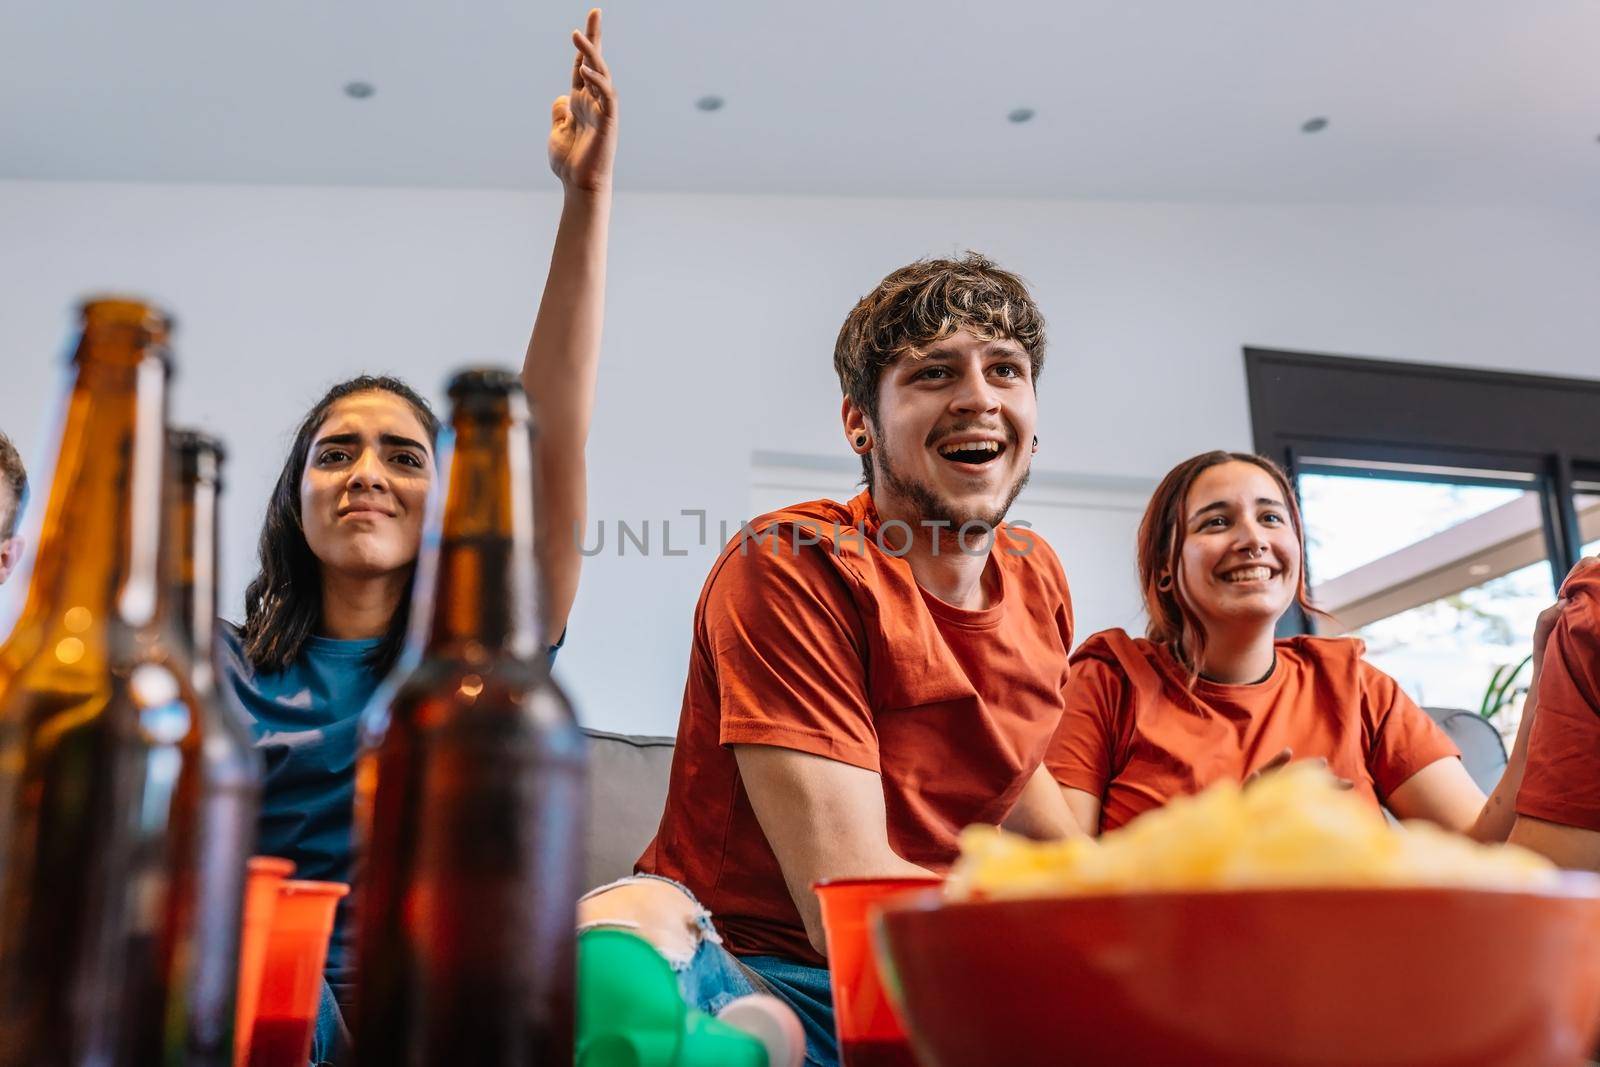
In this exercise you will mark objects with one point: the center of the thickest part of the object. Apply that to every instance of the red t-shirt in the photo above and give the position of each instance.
(1562, 781)
(833, 649)
(1134, 735)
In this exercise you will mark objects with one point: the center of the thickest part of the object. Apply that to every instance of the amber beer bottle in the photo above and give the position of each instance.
(230, 771)
(99, 745)
(470, 789)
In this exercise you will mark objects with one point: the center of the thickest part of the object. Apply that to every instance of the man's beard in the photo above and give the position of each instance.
(933, 508)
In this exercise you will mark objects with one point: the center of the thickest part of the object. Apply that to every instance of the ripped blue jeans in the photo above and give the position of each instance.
(711, 977)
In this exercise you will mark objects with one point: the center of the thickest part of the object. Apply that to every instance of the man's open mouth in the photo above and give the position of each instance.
(973, 453)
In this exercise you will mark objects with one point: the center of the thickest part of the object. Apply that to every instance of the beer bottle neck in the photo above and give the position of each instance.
(487, 589)
(192, 549)
(98, 555)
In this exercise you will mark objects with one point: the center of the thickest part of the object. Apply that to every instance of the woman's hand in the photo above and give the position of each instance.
(1285, 757)
(1542, 628)
(583, 124)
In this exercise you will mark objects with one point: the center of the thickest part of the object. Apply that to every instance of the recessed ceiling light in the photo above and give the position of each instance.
(710, 103)
(1316, 125)
(358, 90)
(1478, 570)
(1019, 114)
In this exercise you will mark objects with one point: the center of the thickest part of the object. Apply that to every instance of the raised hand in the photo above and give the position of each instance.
(1552, 615)
(583, 124)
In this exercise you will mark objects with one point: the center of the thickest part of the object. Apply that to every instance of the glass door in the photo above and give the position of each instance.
(1442, 572)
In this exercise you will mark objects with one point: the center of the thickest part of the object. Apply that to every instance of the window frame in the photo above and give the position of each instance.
(1375, 411)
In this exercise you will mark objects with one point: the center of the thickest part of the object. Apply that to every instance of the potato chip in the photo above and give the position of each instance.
(1293, 827)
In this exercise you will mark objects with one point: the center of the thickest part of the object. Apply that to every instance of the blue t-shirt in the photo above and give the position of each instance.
(306, 721)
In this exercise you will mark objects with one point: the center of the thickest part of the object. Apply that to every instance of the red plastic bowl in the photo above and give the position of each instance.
(1347, 977)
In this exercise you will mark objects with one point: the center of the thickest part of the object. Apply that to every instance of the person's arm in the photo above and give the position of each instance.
(1571, 847)
(1085, 809)
(1444, 793)
(1042, 812)
(788, 646)
(564, 351)
(1559, 810)
(1079, 759)
(823, 819)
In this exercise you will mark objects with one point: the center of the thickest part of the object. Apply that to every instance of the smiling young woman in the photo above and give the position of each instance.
(1210, 694)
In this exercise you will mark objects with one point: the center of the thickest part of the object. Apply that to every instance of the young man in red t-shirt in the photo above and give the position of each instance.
(867, 678)
(1558, 807)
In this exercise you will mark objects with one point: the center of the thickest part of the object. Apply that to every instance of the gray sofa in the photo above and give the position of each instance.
(1481, 748)
(627, 789)
(628, 785)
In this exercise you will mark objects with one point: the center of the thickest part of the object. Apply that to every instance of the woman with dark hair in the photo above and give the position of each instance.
(1210, 694)
(326, 616)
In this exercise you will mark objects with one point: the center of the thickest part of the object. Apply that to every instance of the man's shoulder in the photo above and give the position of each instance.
(792, 551)
(1026, 550)
(824, 512)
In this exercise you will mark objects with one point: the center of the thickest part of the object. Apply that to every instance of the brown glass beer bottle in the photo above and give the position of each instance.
(99, 738)
(470, 788)
(230, 771)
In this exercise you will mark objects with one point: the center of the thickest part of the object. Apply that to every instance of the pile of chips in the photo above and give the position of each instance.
(1293, 827)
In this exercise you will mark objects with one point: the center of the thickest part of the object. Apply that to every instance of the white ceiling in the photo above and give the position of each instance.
(1482, 101)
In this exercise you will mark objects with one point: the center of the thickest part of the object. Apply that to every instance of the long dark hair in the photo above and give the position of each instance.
(283, 604)
(1173, 621)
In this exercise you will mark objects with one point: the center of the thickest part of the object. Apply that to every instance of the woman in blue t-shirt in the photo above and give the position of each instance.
(326, 616)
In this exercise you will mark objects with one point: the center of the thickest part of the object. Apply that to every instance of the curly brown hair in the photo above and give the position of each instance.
(14, 476)
(925, 302)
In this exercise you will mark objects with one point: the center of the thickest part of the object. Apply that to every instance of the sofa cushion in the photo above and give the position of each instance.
(1482, 751)
(627, 790)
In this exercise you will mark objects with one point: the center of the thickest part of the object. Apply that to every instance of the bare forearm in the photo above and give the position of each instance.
(1041, 812)
(1500, 810)
(559, 376)
(884, 865)
(1566, 846)
(823, 820)
(815, 855)
(564, 351)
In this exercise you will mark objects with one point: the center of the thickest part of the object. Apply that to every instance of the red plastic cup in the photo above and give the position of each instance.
(260, 901)
(870, 1034)
(291, 981)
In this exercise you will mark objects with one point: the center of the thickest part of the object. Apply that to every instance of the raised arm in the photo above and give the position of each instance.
(564, 351)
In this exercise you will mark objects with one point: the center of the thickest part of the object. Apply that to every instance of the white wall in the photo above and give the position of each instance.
(720, 330)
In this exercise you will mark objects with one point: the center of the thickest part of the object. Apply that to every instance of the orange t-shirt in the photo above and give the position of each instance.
(1562, 780)
(1134, 736)
(833, 649)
